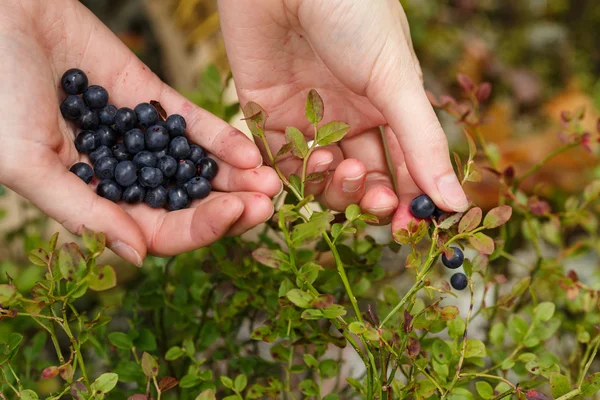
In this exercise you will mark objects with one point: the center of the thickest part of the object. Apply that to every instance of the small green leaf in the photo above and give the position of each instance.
(544, 311)
(7, 293)
(28, 394)
(470, 220)
(189, 381)
(475, 348)
(240, 382)
(482, 243)
(270, 258)
(450, 221)
(521, 286)
(94, 242)
(310, 360)
(206, 395)
(332, 132)
(173, 353)
(328, 368)
(559, 384)
(357, 327)
(102, 277)
(312, 314)
(71, 262)
(314, 107)
(39, 257)
(227, 382)
(456, 328)
(334, 311)
(517, 328)
(591, 385)
(256, 118)
(485, 390)
(312, 229)
(497, 334)
(120, 340)
(497, 217)
(189, 348)
(149, 365)
(441, 352)
(296, 182)
(308, 388)
(296, 138)
(105, 382)
(352, 212)
(300, 298)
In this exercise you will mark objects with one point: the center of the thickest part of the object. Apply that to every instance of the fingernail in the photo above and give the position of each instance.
(452, 192)
(351, 185)
(126, 252)
(280, 190)
(262, 161)
(381, 210)
(323, 166)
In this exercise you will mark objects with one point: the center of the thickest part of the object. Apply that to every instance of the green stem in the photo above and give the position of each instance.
(12, 371)
(541, 163)
(76, 345)
(569, 395)
(498, 378)
(8, 383)
(589, 363)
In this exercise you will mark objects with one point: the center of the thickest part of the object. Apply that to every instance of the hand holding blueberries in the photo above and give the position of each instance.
(42, 40)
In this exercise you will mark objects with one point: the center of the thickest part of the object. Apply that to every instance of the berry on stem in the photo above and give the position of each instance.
(459, 281)
(456, 260)
(422, 206)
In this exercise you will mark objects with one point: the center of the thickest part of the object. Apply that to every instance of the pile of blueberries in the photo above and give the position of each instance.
(423, 207)
(137, 155)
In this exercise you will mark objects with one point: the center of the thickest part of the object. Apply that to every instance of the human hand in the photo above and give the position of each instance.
(359, 57)
(40, 40)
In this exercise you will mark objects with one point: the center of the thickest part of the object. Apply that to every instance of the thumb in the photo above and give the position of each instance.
(64, 197)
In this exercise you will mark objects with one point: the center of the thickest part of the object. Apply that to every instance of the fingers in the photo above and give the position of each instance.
(170, 233)
(232, 179)
(109, 63)
(67, 199)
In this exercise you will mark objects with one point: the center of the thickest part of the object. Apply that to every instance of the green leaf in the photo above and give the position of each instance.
(256, 118)
(521, 286)
(120, 340)
(314, 107)
(308, 388)
(94, 242)
(312, 314)
(591, 385)
(470, 220)
(310, 360)
(450, 221)
(7, 293)
(105, 382)
(456, 328)
(475, 348)
(102, 277)
(28, 395)
(189, 381)
(149, 365)
(226, 381)
(332, 132)
(441, 352)
(482, 243)
(206, 395)
(240, 382)
(485, 390)
(71, 262)
(497, 217)
(285, 287)
(425, 388)
(298, 141)
(308, 273)
(189, 347)
(352, 212)
(497, 334)
(14, 339)
(39, 257)
(328, 368)
(300, 298)
(312, 229)
(544, 311)
(334, 311)
(296, 182)
(357, 327)
(174, 353)
(559, 384)
(146, 341)
(517, 328)
(331, 396)
(270, 258)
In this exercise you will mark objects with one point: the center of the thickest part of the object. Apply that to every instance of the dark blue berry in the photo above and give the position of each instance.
(72, 107)
(176, 125)
(101, 151)
(150, 177)
(422, 206)
(456, 260)
(110, 190)
(157, 138)
(156, 197)
(83, 171)
(178, 198)
(161, 154)
(88, 120)
(125, 173)
(459, 281)
(179, 148)
(74, 81)
(95, 96)
(146, 114)
(208, 168)
(134, 194)
(145, 159)
(86, 142)
(107, 135)
(105, 168)
(107, 115)
(125, 120)
(168, 166)
(134, 140)
(197, 153)
(186, 170)
(198, 188)
(120, 152)
(438, 212)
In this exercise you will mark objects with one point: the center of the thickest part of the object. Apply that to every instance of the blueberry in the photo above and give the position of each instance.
(459, 281)
(101, 151)
(86, 142)
(145, 159)
(161, 123)
(208, 168)
(178, 198)
(83, 171)
(104, 168)
(197, 153)
(95, 96)
(107, 115)
(125, 173)
(198, 188)
(88, 119)
(186, 170)
(157, 138)
(134, 194)
(156, 197)
(176, 125)
(456, 260)
(146, 114)
(72, 107)
(160, 154)
(125, 120)
(134, 140)
(422, 206)
(107, 135)
(179, 148)
(74, 81)
(438, 212)
(120, 152)
(150, 177)
(167, 165)
(109, 190)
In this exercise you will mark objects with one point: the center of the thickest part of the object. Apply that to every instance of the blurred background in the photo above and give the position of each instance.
(542, 57)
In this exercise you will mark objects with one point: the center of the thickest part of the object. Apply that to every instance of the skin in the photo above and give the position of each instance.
(359, 57)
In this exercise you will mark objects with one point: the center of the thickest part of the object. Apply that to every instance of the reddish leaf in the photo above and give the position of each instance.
(66, 372)
(535, 395)
(407, 327)
(413, 348)
(270, 258)
(497, 217)
(50, 372)
(538, 207)
(482, 243)
(167, 383)
(149, 365)
(447, 100)
(140, 396)
(448, 313)
(323, 301)
(466, 83)
(470, 220)
(483, 92)
(480, 263)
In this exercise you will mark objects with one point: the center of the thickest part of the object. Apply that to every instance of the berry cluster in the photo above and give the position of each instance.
(138, 155)
(423, 207)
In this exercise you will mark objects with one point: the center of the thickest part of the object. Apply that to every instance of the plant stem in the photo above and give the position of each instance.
(12, 371)
(541, 163)
(75, 344)
(8, 383)
(569, 395)
(589, 363)
(498, 378)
